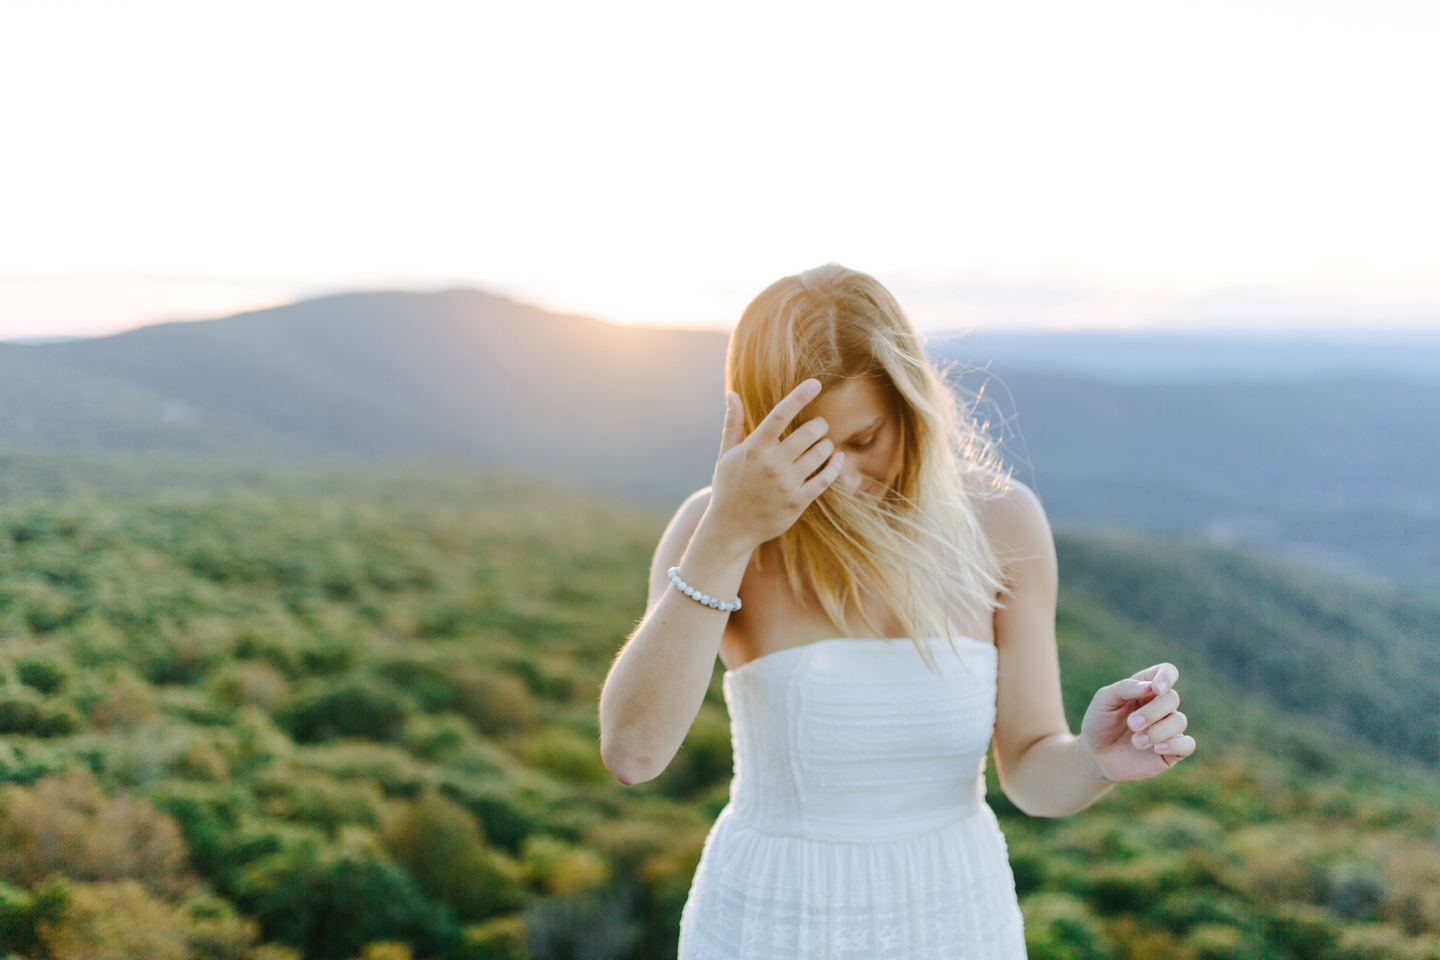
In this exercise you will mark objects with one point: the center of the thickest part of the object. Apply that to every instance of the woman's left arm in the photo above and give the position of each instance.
(1132, 730)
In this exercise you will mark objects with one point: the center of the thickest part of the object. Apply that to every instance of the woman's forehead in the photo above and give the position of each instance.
(854, 401)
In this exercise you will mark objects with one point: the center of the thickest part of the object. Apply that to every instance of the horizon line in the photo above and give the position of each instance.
(1273, 327)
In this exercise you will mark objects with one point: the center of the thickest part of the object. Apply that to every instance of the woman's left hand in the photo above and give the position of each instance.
(1133, 729)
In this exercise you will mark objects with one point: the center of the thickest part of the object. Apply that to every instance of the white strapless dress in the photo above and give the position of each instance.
(857, 826)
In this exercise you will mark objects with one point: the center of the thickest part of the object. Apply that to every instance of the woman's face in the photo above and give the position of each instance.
(865, 425)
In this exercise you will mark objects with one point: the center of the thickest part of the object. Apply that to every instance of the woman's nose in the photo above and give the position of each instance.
(851, 476)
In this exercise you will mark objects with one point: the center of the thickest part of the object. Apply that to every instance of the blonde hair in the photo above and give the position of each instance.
(920, 549)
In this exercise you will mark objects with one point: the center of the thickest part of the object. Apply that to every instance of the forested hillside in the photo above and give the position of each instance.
(353, 714)
(1335, 462)
(1357, 661)
(459, 376)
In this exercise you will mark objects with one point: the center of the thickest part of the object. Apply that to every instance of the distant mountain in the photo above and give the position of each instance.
(1152, 357)
(1339, 472)
(1342, 474)
(459, 375)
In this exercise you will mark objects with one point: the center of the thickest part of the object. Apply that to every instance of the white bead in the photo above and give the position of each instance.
(714, 603)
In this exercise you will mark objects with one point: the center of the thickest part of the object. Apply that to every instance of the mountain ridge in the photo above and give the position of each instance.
(449, 375)
(1343, 474)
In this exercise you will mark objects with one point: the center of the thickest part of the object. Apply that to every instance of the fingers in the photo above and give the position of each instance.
(1156, 725)
(811, 459)
(1121, 692)
(803, 438)
(816, 485)
(1154, 711)
(778, 419)
(734, 431)
(1162, 676)
(1162, 730)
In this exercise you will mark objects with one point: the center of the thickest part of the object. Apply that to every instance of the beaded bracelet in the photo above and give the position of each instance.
(674, 574)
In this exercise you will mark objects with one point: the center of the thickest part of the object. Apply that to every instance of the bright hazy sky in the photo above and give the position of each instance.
(1000, 164)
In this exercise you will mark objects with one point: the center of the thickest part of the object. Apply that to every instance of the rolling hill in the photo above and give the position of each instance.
(1339, 474)
(459, 376)
(1343, 474)
(350, 713)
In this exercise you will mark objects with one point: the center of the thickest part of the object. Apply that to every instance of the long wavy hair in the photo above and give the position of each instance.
(919, 550)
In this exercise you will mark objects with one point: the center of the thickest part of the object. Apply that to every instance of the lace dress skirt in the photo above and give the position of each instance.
(857, 826)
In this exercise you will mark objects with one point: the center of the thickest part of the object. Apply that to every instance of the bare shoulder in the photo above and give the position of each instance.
(1014, 520)
(675, 539)
(687, 518)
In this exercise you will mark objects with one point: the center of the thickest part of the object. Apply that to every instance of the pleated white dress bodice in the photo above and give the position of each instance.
(857, 826)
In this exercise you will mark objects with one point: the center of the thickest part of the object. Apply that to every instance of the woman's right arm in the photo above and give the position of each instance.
(762, 485)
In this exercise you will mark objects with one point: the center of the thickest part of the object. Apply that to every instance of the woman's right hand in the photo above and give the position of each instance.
(762, 483)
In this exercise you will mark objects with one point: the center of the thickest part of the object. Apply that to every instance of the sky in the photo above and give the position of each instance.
(1013, 165)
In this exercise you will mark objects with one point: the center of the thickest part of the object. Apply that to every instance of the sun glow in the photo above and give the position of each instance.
(655, 163)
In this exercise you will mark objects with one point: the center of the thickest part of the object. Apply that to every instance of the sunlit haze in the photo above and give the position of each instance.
(1188, 166)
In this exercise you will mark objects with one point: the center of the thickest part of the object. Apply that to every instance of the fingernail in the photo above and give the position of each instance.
(1162, 747)
(812, 385)
(1140, 686)
(1136, 720)
(1140, 739)
(1159, 686)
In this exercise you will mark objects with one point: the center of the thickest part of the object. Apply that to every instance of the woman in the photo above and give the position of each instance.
(852, 502)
